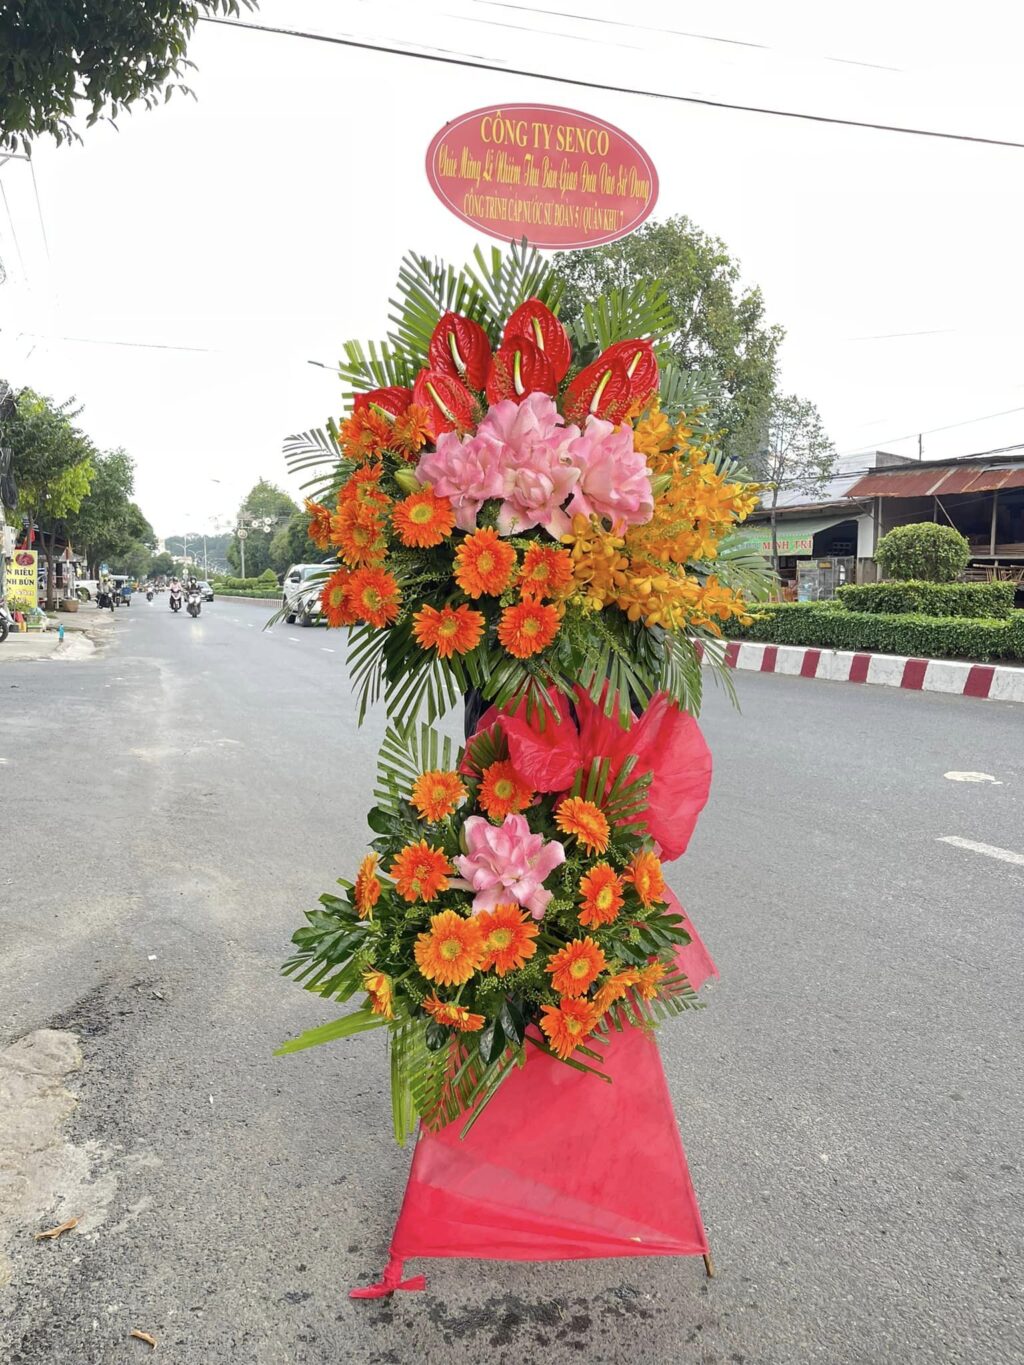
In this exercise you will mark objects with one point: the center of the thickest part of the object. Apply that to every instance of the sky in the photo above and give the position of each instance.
(179, 273)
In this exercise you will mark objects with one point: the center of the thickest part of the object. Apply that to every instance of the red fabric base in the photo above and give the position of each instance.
(560, 1166)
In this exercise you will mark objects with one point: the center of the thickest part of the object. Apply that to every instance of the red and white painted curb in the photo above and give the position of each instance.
(993, 682)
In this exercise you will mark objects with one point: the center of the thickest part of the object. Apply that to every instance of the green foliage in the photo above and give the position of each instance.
(107, 54)
(161, 565)
(264, 582)
(823, 625)
(718, 328)
(929, 599)
(109, 527)
(263, 512)
(926, 550)
(796, 454)
(291, 545)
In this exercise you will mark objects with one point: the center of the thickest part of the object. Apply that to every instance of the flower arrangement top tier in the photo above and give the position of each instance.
(523, 506)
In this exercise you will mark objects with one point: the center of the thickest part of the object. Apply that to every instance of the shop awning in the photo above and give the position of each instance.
(938, 481)
(793, 537)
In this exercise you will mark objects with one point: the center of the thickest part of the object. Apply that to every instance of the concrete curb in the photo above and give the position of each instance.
(990, 682)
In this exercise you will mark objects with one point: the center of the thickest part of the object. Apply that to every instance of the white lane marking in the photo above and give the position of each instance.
(295, 639)
(326, 650)
(1004, 855)
(972, 777)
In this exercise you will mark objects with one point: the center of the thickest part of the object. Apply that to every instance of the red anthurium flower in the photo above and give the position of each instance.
(388, 403)
(518, 368)
(460, 347)
(535, 320)
(447, 402)
(641, 367)
(601, 390)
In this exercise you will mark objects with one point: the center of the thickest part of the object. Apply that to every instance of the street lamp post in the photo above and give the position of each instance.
(241, 534)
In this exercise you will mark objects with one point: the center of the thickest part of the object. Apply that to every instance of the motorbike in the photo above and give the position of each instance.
(149, 594)
(195, 602)
(105, 599)
(175, 599)
(6, 620)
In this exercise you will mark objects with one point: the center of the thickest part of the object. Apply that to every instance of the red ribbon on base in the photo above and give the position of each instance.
(392, 1280)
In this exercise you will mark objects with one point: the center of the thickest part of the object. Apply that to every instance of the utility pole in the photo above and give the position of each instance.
(920, 445)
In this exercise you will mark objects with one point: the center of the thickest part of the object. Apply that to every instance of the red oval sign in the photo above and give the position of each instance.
(556, 176)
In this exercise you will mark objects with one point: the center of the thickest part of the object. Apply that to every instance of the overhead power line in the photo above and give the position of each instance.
(365, 46)
(950, 426)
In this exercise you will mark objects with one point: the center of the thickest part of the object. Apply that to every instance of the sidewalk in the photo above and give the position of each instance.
(958, 677)
(84, 629)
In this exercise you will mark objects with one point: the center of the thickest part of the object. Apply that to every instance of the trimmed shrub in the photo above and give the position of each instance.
(267, 582)
(929, 599)
(931, 637)
(925, 550)
(257, 592)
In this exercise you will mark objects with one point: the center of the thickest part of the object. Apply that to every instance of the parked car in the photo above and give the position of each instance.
(205, 590)
(301, 592)
(86, 589)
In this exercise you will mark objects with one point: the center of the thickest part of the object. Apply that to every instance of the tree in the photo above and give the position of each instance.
(108, 525)
(161, 565)
(51, 461)
(721, 332)
(264, 509)
(795, 456)
(291, 545)
(938, 554)
(108, 54)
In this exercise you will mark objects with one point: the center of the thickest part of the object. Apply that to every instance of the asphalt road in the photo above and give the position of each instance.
(850, 1101)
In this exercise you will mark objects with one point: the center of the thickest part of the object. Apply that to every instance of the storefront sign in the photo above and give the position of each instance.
(22, 577)
(556, 176)
(788, 544)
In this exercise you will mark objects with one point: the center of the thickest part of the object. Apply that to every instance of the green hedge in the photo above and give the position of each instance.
(247, 592)
(823, 626)
(267, 582)
(929, 599)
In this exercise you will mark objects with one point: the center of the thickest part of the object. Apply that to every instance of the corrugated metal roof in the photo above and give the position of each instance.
(938, 481)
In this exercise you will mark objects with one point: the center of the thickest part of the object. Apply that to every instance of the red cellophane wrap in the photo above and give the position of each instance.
(561, 1165)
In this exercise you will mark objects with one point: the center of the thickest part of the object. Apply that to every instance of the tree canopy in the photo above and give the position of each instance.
(292, 545)
(105, 54)
(721, 331)
(264, 510)
(109, 526)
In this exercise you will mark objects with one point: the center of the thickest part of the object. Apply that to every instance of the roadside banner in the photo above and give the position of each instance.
(22, 577)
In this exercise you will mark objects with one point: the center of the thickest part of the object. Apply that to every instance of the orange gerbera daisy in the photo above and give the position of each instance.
(451, 951)
(567, 1024)
(648, 979)
(367, 887)
(587, 821)
(410, 431)
(647, 877)
(501, 791)
(375, 596)
(615, 988)
(508, 936)
(423, 519)
(437, 793)
(420, 872)
(484, 564)
(378, 987)
(546, 571)
(336, 599)
(601, 889)
(574, 967)
(359, 535)
(364, 435)
(528, 627)
(319, 530)
(452, 630)
(454, 1016)
(363, 487)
